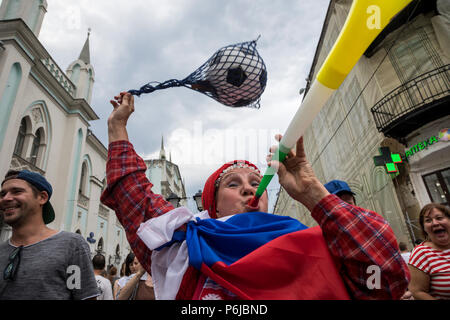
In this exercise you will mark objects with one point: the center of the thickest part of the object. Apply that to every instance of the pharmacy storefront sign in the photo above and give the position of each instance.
(421, 146)
(391, 160)
(444, 135)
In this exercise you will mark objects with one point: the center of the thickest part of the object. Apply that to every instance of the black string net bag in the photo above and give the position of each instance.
(235, 76)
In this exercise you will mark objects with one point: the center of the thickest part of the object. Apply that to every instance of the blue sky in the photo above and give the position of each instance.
(138, 41)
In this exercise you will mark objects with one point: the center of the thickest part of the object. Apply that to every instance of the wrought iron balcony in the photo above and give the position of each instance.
(414, 103)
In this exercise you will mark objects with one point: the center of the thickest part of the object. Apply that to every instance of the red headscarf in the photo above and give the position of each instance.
(209, 191)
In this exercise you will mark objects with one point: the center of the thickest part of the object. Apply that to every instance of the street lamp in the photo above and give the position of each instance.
(198, 200)
(174, 199)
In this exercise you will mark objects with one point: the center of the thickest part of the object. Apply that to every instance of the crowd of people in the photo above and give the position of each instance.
(132, 284)
(175, 252)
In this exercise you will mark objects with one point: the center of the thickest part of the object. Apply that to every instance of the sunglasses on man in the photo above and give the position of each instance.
(14, 260)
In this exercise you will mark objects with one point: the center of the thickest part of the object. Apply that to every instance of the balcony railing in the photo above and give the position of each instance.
(410, 97)
(59, 75)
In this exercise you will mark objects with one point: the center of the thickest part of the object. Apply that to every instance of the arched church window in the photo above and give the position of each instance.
(35, 147)
(18, 149)
(75, 73)
(82, 189)
(100, 245)
(8, 97)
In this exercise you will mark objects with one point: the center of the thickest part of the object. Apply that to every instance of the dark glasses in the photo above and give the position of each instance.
(14, 260)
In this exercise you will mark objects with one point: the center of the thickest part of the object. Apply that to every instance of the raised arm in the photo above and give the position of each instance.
(128, 191)
(297, 176)
(127, 291)
(117, 121)
(361, 240)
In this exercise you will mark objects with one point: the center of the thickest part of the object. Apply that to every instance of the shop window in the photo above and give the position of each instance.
(438, 186)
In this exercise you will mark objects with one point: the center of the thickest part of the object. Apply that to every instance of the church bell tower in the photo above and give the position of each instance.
(30, 11)
(81, 73)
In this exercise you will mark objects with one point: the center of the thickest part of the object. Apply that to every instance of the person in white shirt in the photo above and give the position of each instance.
(126, 271)
(404, 251)
(138, 286)
(104, 285)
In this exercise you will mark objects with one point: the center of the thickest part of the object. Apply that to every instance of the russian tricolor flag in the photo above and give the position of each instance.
(254, 255)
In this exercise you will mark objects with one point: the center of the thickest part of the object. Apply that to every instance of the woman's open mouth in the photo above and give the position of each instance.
(440, 232)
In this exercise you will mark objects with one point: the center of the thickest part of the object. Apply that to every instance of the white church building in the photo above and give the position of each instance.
(45, 116)
(166, 178)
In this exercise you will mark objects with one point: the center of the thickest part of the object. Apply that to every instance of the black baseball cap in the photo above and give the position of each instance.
(38, 181)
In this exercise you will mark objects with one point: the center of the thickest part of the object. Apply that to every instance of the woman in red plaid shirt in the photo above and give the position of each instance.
(359, 240)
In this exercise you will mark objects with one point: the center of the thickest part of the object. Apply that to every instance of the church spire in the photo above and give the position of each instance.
(85, 55)
(162, 152)
(82, 74)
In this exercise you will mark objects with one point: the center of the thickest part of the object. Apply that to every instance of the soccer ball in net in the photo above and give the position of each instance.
(237, 75)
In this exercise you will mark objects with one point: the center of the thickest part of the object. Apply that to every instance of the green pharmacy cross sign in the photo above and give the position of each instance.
(388, 159)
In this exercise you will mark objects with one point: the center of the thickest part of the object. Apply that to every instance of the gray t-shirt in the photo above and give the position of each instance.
(57, 268)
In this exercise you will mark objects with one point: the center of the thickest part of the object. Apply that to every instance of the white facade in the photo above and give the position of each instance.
(45, 128)
(165, 177)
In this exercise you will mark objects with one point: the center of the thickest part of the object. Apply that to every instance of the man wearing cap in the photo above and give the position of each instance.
(39, 263)
(342, 190)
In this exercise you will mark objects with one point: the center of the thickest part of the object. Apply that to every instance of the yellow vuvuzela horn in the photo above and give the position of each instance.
(365, 21)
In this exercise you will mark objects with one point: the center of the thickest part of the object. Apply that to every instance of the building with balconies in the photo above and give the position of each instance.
(45, 127)
(397, 96)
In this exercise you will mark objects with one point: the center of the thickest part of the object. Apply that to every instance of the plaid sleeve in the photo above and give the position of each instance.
(129, 194)
(365, 245)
